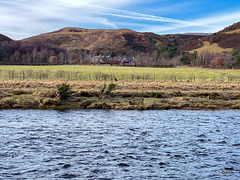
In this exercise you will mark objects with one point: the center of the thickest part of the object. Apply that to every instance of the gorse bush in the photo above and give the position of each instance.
(63, 90)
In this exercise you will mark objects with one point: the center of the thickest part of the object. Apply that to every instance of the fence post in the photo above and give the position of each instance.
(23, 75)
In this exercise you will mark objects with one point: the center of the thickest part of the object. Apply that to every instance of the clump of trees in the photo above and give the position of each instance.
(208, 59)
(40, 53)
(35, 52)
(185, 60)
(233, 60)
(168, 52)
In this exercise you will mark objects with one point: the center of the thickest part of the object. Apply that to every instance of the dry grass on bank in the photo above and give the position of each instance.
(121, 85)
(42, 94)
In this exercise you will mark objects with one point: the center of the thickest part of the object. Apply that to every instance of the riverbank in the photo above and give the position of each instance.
(32, 94)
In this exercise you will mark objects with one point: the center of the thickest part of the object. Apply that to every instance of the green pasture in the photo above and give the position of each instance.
(85, 72)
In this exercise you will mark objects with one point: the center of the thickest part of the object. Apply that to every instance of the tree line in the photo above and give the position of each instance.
(42, 53)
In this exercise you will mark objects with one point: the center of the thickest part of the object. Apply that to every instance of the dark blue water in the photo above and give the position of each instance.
(97, 144)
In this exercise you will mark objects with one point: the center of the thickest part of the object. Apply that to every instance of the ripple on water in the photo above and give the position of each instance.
(92, 144)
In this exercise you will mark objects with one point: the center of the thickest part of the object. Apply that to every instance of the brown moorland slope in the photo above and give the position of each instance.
(109, 40)
(96, 39)
(227, 38)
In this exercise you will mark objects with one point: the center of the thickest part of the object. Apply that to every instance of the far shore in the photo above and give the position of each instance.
(37, 94)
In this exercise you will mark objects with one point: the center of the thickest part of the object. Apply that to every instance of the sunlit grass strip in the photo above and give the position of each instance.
(213, 48)
(233, 32)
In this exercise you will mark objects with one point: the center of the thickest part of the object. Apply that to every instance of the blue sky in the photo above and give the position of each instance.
(24, 18)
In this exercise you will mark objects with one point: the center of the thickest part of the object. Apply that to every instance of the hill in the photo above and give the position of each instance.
(109, 41)
(223, 41)
(72, 45)
(4, 38)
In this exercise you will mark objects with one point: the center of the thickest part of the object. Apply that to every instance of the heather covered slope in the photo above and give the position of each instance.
(4, 38)
(228, 38)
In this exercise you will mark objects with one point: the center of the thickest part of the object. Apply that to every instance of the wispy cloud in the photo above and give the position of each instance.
(28, 18)
(34, 17)
(9, 2)
(219, 18)
(210, 24)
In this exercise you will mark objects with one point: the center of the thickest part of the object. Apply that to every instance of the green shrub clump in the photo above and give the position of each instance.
(110, 88)
(63, 90)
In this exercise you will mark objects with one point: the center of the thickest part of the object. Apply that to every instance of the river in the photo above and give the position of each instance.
(98, 144)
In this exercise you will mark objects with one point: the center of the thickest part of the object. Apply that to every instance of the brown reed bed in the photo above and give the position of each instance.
(137, 95)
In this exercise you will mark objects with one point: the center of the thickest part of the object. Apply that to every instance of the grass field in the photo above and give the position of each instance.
(108, 73)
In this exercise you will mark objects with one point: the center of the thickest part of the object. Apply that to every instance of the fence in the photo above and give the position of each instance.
(99, 76)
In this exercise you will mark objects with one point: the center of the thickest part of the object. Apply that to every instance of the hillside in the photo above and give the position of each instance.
(222, 41)
(4, 38)
(96, 39)
(227, 38)
(108, 40)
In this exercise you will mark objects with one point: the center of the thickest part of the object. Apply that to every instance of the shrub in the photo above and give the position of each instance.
(238, 61)
(63, 90)
(18, 92)
(185, 60)
(235, 52)
(213, 95)
(219, 61)
(110, 88)
(104, 88)
(157, 94)
(177, 93)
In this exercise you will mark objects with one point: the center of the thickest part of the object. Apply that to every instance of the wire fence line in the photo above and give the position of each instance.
(99, 76)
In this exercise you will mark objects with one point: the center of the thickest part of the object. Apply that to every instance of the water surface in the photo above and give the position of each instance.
(97, 144)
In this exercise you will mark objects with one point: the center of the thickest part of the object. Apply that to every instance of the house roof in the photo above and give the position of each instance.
(127, 60)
